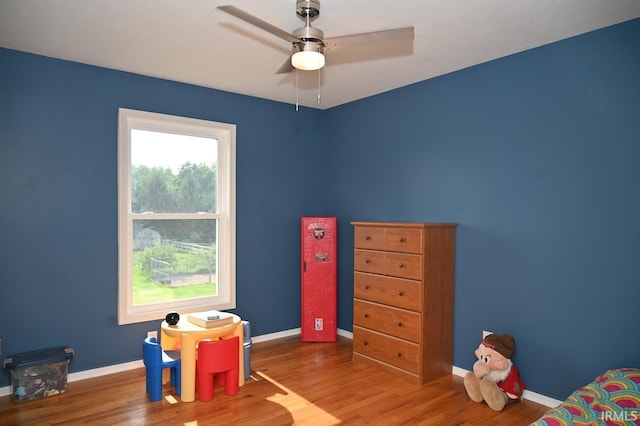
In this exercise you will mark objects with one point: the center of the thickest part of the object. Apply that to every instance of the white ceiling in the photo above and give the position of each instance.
(192, 41)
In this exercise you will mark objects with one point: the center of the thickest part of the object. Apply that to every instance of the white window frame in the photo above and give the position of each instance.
(225, 134)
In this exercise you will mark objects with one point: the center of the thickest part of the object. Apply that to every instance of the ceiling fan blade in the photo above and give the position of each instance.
(286, 67)
(238, 13)
(354, 41)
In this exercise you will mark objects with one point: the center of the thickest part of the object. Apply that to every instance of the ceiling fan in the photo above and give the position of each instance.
(309, 44)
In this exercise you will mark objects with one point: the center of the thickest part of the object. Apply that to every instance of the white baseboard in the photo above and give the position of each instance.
(345, 333)
(103, 371)
(528, 395)
(97, 372)
(274, 336)
(293, 332)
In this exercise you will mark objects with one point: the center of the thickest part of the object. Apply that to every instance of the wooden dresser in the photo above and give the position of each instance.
(403, 298)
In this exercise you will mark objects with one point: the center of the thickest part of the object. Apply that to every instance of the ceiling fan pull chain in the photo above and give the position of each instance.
(296, 90)
(318, 87)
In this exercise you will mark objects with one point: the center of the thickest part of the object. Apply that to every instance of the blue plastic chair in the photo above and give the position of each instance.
(156, 360)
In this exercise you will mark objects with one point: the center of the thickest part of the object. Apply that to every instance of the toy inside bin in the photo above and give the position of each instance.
(38, 374)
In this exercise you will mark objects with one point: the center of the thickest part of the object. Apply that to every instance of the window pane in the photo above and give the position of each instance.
(174, 259)
(173, 173)
(176, 215)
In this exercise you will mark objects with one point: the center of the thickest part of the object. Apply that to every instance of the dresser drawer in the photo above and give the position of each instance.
(397, 352)
(368, 261)
(398, 292)
(396, 322)
(369, 237)
(404, 240)
(403, 265)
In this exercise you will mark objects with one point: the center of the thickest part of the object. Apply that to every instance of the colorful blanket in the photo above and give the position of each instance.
(613, 398)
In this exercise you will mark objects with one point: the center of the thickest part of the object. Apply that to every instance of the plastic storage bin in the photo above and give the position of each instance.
(38, 374)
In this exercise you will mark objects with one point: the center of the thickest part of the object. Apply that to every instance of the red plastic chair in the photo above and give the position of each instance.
(219, 357)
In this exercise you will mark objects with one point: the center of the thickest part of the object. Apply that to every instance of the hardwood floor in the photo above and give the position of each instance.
(292, 383)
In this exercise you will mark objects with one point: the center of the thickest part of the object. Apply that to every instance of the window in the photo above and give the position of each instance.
(176, 215)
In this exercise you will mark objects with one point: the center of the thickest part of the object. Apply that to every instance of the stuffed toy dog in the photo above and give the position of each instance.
(494, 379)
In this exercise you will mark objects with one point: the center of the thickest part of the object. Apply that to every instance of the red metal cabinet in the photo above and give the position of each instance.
(319, 279)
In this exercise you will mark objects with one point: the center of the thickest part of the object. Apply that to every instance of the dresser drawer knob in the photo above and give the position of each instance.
(367, 261)
(366, 287)
(367, 237)
(402, 240)
(399, 354)
(399, 324)
(366, 343)
(366, 315)
(401, 293)
(401, 265)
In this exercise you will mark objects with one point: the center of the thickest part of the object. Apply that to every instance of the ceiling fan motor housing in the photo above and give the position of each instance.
(309, 34)
(309, 46)
(311, 40)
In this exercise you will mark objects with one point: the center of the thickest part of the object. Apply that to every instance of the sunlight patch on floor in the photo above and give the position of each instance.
(301, 409)
(171, 399)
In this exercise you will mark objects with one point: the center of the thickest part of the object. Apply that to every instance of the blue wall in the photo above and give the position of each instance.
(537, 157)
(534, 155)
(58, 214)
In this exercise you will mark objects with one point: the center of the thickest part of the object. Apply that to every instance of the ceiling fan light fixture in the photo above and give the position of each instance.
(307, 61)
(309, 57)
